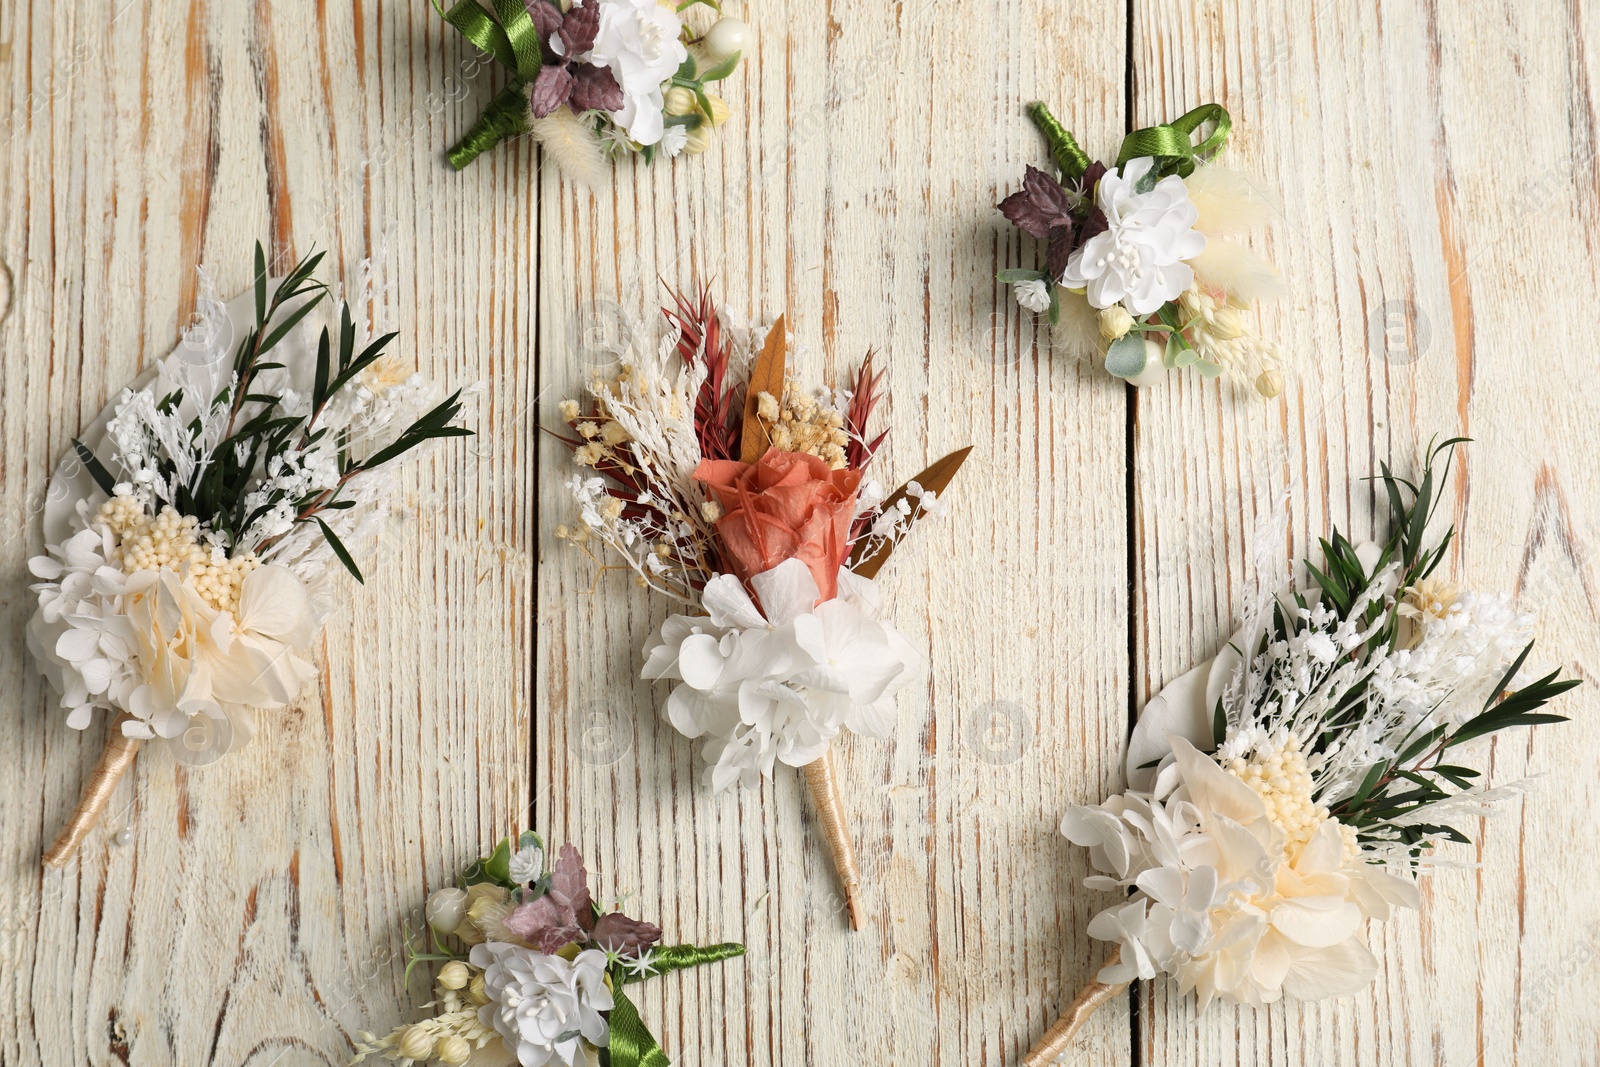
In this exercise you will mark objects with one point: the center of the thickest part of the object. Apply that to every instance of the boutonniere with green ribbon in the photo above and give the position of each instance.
(599, 79)
(532, 971)
(1143, 263)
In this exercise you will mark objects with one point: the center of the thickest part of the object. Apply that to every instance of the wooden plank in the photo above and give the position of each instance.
(853, 190)
(1433, 283)
(255, 917)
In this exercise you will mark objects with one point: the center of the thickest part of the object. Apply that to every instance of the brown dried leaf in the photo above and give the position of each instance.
(766, 376)
(936, 477)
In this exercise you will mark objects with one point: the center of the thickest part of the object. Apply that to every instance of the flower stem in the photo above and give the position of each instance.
(108, 771)
(1089, 999)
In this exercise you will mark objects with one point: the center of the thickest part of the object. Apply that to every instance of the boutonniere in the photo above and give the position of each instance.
(193, 532)
(532, 970)
(725, 485)
(1295, 786)
(595, 79)
(1143, 265)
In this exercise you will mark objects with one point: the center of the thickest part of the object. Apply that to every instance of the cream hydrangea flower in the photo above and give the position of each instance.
(1223, 903)
(1138, 260)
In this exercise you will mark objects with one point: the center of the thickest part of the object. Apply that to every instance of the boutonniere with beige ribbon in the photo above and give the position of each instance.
(1296, 786)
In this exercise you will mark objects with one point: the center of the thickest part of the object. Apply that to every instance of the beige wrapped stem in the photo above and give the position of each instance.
(830, 813)
(108, 771)
(1056, 1039)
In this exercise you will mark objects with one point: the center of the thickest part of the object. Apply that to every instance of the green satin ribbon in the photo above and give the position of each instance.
(513, 40)
(631, 1044)
(511, 37)
(1070, 159)
(1172, 144)
(506, 115)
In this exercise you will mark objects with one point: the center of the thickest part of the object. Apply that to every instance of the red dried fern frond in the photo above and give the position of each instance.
(718, 409)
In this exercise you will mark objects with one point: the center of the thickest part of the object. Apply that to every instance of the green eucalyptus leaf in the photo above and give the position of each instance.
(1127, 356)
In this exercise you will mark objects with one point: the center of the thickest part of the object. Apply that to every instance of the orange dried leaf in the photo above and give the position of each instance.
(767, 376)
(938, 476)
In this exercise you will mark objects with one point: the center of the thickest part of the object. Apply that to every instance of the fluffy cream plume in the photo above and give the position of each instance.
(571, 144)
(1229, 203)
(1235, 270)
(1077, 331)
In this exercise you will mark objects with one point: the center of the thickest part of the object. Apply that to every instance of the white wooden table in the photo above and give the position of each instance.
(1438, 170)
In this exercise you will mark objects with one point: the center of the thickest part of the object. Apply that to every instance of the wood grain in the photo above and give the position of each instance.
(853, 191)
(1423, 304)
(255, 917)
(1437, 163)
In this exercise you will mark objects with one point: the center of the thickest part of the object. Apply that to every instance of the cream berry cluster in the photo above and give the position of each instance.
(169, 540)
(1275, 768)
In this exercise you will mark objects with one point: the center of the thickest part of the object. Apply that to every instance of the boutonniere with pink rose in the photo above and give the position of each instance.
(1146, 267)
(725, 485)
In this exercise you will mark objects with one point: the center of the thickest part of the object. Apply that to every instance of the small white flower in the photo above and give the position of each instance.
(674, 140)
(643, 965)
(527, 864)
(1033, 294)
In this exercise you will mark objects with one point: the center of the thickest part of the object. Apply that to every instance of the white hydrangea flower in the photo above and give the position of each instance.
(1138, 260)
(777, 683)
(543, 1007)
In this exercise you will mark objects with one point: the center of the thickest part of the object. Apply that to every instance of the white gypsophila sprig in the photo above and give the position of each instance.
(648, 407)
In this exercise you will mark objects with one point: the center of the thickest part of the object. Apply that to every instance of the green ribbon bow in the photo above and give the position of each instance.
(511, 37)
(1172, 144)
(631, 1044)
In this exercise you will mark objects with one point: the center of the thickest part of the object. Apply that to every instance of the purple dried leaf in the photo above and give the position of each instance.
(597, 89)
(579, 29)
(1040, 207)
(1094, 224)
(618, 933)
(546, 17)
(1059, 251)
(1091, 178)
(569, 882)
(551, 89)
(544, 922)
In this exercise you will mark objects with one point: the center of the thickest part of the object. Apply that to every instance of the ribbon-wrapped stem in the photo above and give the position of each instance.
(1070, 159)
(506, 116)
(1089, 999)
(830, 813)
(108, 771)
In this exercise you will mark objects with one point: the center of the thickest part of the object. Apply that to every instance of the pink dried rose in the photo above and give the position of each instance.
(786, 505)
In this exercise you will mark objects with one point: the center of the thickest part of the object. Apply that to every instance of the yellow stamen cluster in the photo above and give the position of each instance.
(799, 424)
(169, 540)
(1277, 772)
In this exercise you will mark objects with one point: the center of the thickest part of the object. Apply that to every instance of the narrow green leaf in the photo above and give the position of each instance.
(340, 551)
(96, 469)
(261, 286)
